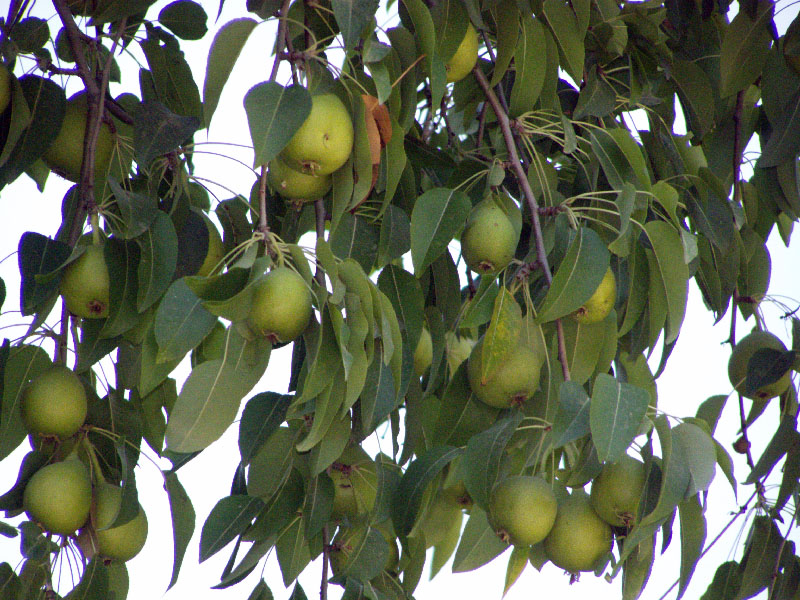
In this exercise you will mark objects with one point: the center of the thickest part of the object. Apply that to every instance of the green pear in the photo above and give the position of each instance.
(281, 307)
(59, 496)
(597, 307)
(741, 355)
(122, 542)
(85, 284)
(54, 403)
(522, 509)
(513, 382)
(617, 489)
(489, 239)
(579, 537)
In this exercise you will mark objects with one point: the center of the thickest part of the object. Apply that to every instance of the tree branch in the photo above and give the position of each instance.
(530, 199)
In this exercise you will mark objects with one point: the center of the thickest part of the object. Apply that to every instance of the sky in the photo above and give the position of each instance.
(696, 370)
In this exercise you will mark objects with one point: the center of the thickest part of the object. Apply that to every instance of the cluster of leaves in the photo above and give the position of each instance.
(551, 98)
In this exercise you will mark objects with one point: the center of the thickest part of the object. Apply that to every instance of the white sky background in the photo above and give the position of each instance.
(696, 370)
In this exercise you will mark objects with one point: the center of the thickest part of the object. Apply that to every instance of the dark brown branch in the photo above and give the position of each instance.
(530, 199)
(323, 587)
(263, 225)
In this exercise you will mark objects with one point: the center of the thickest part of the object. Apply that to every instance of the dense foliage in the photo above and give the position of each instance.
(590, 165)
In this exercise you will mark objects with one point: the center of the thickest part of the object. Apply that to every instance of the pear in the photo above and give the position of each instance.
(489, 239)
(617, 489)
(579, 537)
(514, 381)
(596, 308)
(741, 355)
(522, 509)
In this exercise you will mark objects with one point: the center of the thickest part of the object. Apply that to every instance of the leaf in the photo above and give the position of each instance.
(158, 258)
(530, 61)
(699, 453)
(225, 49)
(478, 310)
(183, 516)
(765, 367)
(353, 16)
(184, 18)
(783, 143)
(696, 96)
(171, 76)
(274, 114)
(261, 592)
(637, 568)
(761, 555)
(355, 238)
(293, 552)
(621, 158)
(262, 416)
(158, 131)
(675, 478)
(572, 419)
(22, 364)
(210, 397)
(516, 564)
(744, 49)
(566, 29)
(405, 294)
(785, 437)
(479, 543)
(673, 273)
(577, 277)
(439, 215)
(39, 256)
(181, 322)
(409, 492)
(93, 584)
(228, 519)
(693, 538)
(615, 416)
(318, 504)
(483, 457)
(502, 334)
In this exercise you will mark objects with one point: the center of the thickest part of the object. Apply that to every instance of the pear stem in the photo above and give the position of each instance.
(530, 199)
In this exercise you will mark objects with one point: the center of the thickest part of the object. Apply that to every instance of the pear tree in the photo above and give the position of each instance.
(474, 224)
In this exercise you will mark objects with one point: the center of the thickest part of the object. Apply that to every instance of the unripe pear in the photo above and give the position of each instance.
(355, 484)
(65, 154)
(465, 57)
(514, 381)
(741, 355)
(489, 239)
(281, 307)
(296, 185)
(122, 542)
(85, 283)
(325, 139)
(423, 354)
(215, 252)
(522, 510)
(579, 538)
(59, 496)
(596, 308)
(442, 515)
(617, 490)
(54, 403)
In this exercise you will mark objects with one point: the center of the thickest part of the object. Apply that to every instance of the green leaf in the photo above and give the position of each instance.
(318, 504)
(158, 131)
(210, 397)
(353, 16)
(726, 582)
(22, 364)
(672, 272)
(184, 18)
(577, 277)
(172, 78)
(530, 60)
(696, 96)
(158, 258)
(693, 538)
(637, 567)
(484, 455)
(744, 49)
(615, 416)
(478, 310)
(675, 478)
(378, 396)
(355, 238)
(181, 322)
(597, 98)
(93, 584)
(438, 216)
(262, 416)
(785, 438)
(228, 519)
(225, 49)
(29, 34)
(479, 543)
(572, 418)
(765, 367)
(506, 17)
(502, 334)
(621, 158)
(261, 592)
(565, 27)
(293, 552)
(182, 511)
(274, 114)
(763, 549)
(783, 143)
(39, 256)
(409, 492)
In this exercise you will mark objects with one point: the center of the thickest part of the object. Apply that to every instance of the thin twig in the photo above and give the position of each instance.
(530, 199)
(319, 214)
(323, 587)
